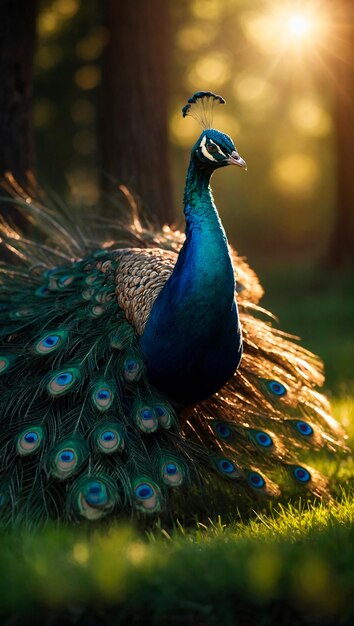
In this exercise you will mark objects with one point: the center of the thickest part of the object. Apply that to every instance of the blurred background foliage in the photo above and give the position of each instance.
(266, 58)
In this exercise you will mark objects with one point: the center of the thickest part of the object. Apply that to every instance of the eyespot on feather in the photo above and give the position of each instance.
(65, 281)
(96, 494)
(66, 459)
(88, 293)
(223, 430)
(276, 388)
(50, 342)
(102, 396)
(164, 415)
(42, 292)
(5, 363)
(304, 428)
(132, 368)
(109, 438)
(63, 380)
(97, 310)
(29, 441)
(172, 473)
(147, 495)
(263, 439)
(301, 474)
(92, 497)
(227, 468)
(255, 480)
(145, 418)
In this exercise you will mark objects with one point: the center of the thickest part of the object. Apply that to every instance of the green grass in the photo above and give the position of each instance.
(297, 561)
(288, 566)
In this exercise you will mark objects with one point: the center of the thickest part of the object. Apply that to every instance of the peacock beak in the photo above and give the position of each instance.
(235, 159)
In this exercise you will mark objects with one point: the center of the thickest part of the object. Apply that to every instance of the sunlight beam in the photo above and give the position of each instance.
(300, 25)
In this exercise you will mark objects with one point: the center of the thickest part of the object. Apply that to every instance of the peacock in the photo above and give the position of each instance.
(139, 376)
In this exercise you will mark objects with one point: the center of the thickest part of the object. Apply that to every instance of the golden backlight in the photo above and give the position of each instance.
(300, 25)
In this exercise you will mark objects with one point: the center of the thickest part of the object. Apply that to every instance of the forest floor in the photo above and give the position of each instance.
(289, 566)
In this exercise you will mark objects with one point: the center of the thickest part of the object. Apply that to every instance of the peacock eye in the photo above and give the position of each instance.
(29, 441)
(212, 148)
(172, 473)
(62, 381)
(304, 428)
(264, 439)
(164, 415)
(302, 474)
(256, 480)
(277, 388)
(110, 440)
(65, 463)
(146, 419)
(102, 396)
(144, 491)
(223, 430)
(96, 494)
(226, 466)
(147, 495)
(48, 344)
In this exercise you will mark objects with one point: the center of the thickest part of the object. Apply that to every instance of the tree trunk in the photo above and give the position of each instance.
(135, 97)
(342, 244)
(17, 41)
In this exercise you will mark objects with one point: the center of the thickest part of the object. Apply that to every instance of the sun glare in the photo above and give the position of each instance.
(300, 25)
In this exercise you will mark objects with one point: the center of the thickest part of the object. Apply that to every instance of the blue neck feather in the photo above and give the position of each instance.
(192, 340)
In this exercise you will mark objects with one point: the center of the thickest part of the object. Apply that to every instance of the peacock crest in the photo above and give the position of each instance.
(201, 107)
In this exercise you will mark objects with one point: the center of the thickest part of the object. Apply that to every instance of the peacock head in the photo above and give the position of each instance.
(213, 148)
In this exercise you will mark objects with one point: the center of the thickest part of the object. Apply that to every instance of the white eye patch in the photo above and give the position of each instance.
(205, 151)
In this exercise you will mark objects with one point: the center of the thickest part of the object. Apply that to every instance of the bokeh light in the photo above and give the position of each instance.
(54, 15)
(295, 174)
(309, 117)
(67, 8)
(190, 38)
(183, 133)
(211, 69)
(83, 187)
(88, 77)
(206, 9)
(47, 23)
(90, 48)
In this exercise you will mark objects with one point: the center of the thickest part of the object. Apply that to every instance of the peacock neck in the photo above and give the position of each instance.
(199, 208)
(192, 339)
